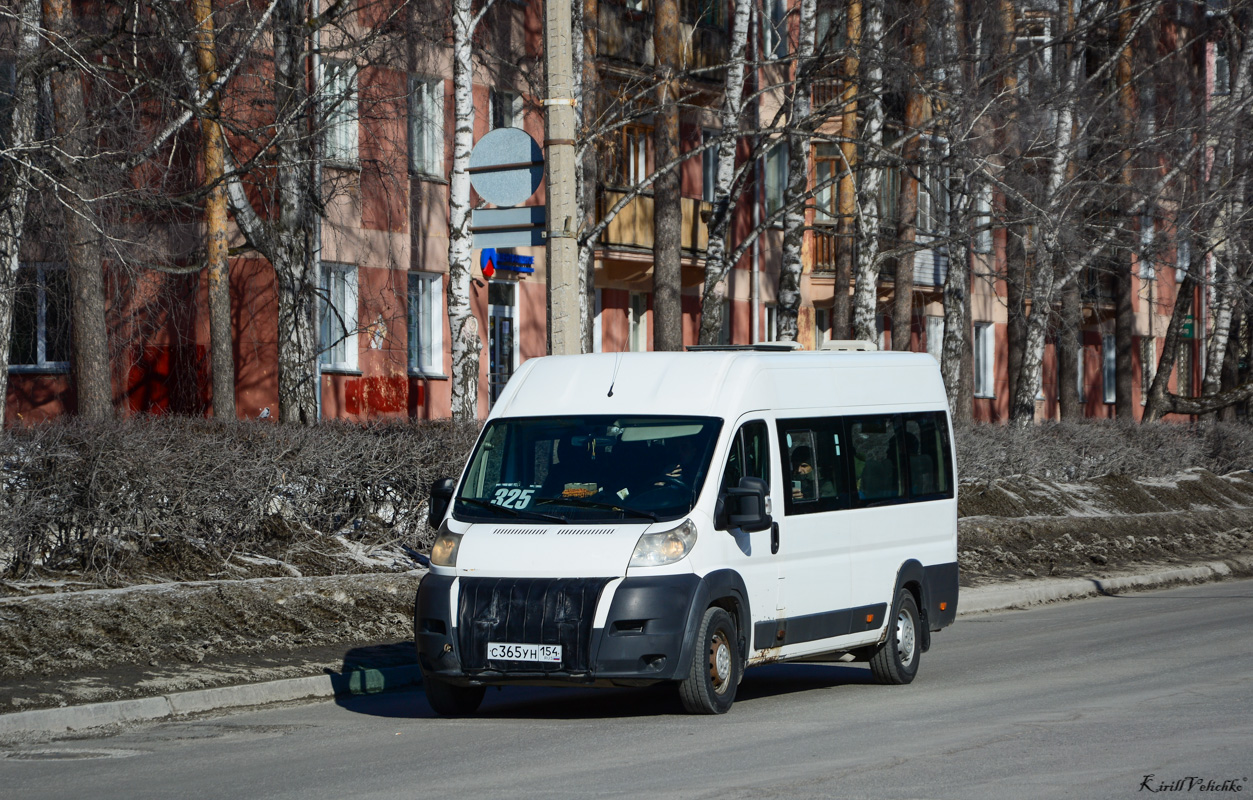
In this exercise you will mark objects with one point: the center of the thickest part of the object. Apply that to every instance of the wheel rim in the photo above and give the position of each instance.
(906, 639)
(720, 661)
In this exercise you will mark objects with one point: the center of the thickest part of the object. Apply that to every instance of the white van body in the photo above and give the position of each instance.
(872, 520)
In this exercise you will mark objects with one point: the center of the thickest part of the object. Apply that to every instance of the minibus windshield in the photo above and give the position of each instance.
(588, 468)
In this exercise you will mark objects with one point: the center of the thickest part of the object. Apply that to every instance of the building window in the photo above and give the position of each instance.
(426, 126)
(637, 323)
(935, 337)
(1147, 242)
(985, 359)
(426, 323)
(505, 108)
(933, 191)
(822, 327)
(339, 316)
(983, 219)
(1109, 367)
(1222, 68)
(1035, 55)
(41, 320)
(709, 166)
(776, 179)
(774, 28)
(628, 157)
(772, 323)
(340, 115)
(827, 167)
(1183, 259)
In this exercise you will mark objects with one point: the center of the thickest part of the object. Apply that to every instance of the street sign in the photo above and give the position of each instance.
(506, 166)
(512, 262)
(508, 227)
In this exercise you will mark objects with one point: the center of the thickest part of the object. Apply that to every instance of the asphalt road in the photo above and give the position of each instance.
(1079, 700)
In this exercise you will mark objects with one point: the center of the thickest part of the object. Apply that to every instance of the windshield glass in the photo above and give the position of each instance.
(593, 468)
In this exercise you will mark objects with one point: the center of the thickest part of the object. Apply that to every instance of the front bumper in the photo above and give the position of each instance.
(640, 642)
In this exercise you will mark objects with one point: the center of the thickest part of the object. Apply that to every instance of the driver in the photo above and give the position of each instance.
(679, 461)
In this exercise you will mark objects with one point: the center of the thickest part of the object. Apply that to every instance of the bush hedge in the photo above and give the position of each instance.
(178, 498)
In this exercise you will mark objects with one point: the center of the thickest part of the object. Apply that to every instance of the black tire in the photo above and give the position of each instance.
(448, 700)
(716, 665)
(895, 662)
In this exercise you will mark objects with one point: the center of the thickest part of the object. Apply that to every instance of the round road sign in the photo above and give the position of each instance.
(506, 166)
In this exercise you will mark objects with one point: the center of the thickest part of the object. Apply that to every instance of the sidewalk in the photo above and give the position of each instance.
(370, 670)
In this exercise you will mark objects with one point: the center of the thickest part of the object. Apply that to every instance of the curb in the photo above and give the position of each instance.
(1024, 594)
(147, 709)
(1002, 597)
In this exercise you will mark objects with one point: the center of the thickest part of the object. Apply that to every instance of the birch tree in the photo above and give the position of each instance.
(869, 258)
(17, 138)
(799, 121)
(717, 265)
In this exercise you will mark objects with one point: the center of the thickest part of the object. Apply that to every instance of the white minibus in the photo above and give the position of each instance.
(627, 519)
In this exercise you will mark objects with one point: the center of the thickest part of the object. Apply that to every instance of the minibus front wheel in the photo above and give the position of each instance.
(896, 660)
(448, 700)
(716, 665)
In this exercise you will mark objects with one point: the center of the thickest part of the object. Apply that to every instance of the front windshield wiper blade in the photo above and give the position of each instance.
(513, 512)
(582, 503)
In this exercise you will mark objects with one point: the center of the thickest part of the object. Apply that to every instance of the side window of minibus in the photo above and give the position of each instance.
(926, 449)
(749, 456)
(878, 467)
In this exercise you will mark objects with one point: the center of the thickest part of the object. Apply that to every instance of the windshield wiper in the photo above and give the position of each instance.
(513, 512)
(582, 503)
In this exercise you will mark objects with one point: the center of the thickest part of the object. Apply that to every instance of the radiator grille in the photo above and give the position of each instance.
(527, 611)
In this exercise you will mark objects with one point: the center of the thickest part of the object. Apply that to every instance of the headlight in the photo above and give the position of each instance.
(444, 551)
(667, 547)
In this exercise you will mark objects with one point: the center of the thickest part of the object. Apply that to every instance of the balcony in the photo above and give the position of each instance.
(930, 264)
(625, 34)
(633, 226)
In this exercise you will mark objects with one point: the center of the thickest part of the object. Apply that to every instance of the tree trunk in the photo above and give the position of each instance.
(1069, 340)
(586, 90)
(717, 265)
(466, 342)
(845, 242)
(907, 202)
(15, 177)
(1124, 283)
(216, 252)
(794, 204)
(869, 261)
(667, 194)
(88, 331)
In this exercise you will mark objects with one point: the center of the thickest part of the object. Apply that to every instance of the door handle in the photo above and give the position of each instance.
(774, 538)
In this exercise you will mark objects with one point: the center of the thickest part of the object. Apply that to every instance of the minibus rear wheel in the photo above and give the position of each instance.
(896, 660)
(448, 700)
(716, 665)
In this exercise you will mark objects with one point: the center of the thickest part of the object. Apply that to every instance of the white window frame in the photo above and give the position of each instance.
(1080, 355)
(1109, 368)
(598, 344)
(933, 192)
(340, 111)
(504, 109)
(772, 323)
(983, 219)
(822, 327)
(426, 315)
(42, 364)
(637, 322)
(426, 125)
(984, 360)
(709, 165)
(774, 29)
(776, 179)
(1037, 42)
(1221, 86)
(1148, 237)
(338, 352)
(1183, 258)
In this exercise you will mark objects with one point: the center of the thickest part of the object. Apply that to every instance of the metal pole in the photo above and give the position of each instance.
(316, 245)
(564, 328)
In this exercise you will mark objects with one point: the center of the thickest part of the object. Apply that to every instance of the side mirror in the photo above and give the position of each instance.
(441, 496)
(744, 506)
